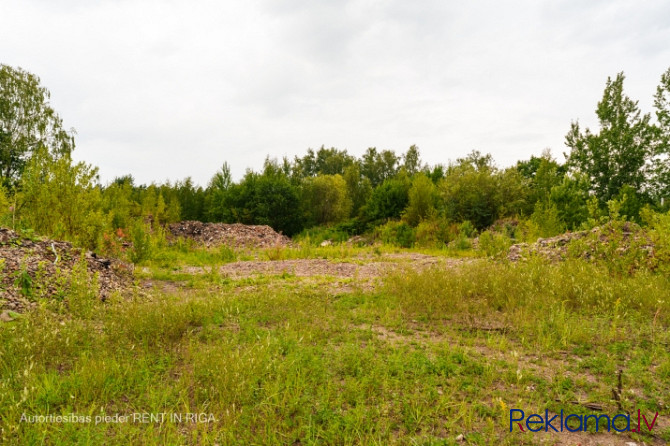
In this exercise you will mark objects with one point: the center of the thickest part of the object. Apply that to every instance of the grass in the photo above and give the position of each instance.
(422, 359)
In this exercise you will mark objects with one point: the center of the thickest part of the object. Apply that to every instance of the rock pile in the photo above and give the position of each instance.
(42, 268)
(556, 248)
(234, 235)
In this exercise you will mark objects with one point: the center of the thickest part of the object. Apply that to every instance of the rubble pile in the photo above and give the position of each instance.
(42, 268)
(234, 235)
(557, 248)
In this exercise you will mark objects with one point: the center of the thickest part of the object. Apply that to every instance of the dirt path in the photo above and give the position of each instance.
(362, 269)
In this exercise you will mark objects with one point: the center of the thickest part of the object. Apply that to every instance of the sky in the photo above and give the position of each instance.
(165, 89)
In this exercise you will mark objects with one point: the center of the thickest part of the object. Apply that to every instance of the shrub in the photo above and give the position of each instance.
(140, 235)
(396, 233)
(494, 244)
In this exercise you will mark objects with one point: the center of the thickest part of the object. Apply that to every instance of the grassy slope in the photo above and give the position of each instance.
(423, 358)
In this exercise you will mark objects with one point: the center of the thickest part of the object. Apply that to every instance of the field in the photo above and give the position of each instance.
(340, 345)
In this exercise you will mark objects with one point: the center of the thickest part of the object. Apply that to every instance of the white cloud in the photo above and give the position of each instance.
(166, 89)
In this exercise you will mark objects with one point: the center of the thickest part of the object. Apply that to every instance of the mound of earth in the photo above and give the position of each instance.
(233, 235)
(593, 243)
(43, 268)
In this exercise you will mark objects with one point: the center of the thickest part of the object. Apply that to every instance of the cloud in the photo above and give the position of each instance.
(166, 89)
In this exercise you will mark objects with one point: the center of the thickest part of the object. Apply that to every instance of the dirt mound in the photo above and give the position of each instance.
(233, 235)
(599, 241)
(30, 269)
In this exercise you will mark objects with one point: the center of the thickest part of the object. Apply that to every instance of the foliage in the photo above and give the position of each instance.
(620, 153)
(411, 161)
(324, 162)
(388, 200)
(268, 198)
(27, 123)
(143, 245)
(570, 198)
(61, 199)
(470, 191)
(325, 198)
(359, 188)
(494, 244)
(546, 220)
(661, 155)
(396, 233)
(379, 166)
(422, 197)
(434, 233)
(5, 211)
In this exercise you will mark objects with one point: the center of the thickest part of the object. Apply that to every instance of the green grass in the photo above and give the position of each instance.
(422, 359)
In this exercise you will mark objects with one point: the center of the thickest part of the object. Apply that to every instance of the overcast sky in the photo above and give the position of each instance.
(173, 88)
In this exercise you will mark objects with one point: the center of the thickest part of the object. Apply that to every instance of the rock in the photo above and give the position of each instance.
(234, 235)
(46, 266)
(460, 437)
(6, 317)
(326, 243)
(556, 248)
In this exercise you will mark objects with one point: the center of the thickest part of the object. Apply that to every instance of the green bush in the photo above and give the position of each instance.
(434, 233)
(494, 244)
(140, 235)
(396, 233)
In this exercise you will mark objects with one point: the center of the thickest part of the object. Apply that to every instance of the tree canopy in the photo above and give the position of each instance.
(27, 123)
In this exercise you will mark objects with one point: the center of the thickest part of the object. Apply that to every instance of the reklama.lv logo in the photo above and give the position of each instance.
(575, 423)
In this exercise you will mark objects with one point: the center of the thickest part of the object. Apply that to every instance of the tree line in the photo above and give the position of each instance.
(624, 162)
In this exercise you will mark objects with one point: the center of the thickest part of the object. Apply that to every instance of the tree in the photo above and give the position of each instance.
(218, 209)
(470, 191)
(411, 160)
(61, 199)
(325, 199)
(661, 159)
(422, 198)
(324, 162)
(620, 153)
(359, 187)
(389, 199)
(378, 166)
(27, 123)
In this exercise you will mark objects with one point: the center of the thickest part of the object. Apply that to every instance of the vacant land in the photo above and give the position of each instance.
(339, 345)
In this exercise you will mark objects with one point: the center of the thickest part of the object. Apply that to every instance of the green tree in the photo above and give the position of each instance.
(216, 201)
(469, 191)
(324, 162)
(422, 197)
(269, 198)
(325, 199)
(661, 159)
(359, 188)
(570, 198)
(389, 199)
(61, 199)
(620, 153)
(411, 160)
(379, 166)
(27, 123)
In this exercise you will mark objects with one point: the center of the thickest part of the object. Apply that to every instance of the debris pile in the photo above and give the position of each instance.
(31, 269)
(596, 242)
(234, 235)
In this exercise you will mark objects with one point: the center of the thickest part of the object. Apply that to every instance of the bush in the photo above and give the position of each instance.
(140, 235)
(434, 233)
(396, 233)
(494, 244)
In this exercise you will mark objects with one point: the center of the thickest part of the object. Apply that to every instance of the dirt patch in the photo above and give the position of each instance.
(233, 235)
(324, 267)
(43, 268)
